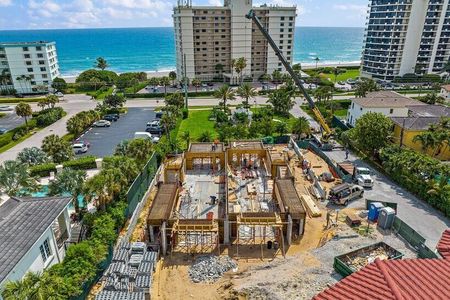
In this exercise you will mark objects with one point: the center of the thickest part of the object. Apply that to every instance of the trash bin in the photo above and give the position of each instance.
(374, 210)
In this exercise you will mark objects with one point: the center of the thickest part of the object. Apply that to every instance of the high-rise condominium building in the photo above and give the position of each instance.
(32, 66)
(209, 38)
(406, 36)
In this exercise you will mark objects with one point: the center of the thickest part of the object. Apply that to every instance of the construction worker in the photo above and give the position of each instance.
(346, 153)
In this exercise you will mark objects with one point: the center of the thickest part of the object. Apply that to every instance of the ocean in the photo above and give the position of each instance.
(152, 49)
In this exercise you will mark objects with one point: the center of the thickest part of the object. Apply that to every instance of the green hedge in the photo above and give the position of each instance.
(17, 100)
(83, 163)
(161, 95)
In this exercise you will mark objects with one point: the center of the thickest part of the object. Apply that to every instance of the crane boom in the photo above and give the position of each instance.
(252, 16)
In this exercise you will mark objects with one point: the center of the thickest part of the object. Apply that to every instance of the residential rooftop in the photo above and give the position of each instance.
(22, 223)
(415, 123)
(24, 44)
(429, 111)
(443, 247)
(386, 99)
(394, 279)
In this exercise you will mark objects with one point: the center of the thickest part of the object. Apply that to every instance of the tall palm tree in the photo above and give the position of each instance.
(19, 79)
(240, 65)
(225, 93)
(15, 178)
(172, 76)
(301, 126)
(247, 92)
(24, 110)
(165, 81)
(317, 59)
(101, 63)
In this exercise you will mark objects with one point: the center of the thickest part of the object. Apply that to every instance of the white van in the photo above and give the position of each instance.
(146, 135)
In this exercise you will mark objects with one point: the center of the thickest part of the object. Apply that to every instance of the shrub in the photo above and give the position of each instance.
(49, 116)
(43, 170)
(83, 163)
(185, 113)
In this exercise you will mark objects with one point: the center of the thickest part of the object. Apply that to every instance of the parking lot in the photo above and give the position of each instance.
(11, 120)
(104, 140)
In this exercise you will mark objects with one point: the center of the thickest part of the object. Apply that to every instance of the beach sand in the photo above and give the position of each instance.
(306, 66)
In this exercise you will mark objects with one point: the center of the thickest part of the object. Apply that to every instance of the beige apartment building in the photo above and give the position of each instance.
(209, 38)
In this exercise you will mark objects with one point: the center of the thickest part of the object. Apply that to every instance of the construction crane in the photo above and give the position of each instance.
(252, 16)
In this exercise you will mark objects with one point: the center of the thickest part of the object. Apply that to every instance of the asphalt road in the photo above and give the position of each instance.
(11, 120)
(104, 140)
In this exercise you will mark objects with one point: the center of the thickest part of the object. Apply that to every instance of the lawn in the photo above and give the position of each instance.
(197, 123)
(349, 74)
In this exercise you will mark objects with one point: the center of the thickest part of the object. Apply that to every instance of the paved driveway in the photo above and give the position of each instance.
(11, 121)
(104, 140)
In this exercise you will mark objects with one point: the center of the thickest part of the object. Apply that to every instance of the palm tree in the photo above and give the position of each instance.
(196, 82)
(98, 188)
(126, 164)
(186, 137)
(24, 110)
(24, 289)
(297, 69)
(239, 65)
(276, 77)
(205, 137)
(153, 81)
(101, 63)
(68, 182)
(165, 81)
(52, 100)
(281, 128)
(301, 126)
(247, 92)
(19, 79)
(172, 76)
(317, 59)
(168, 120)
(28, 81)
(225, 93)
(336, 72)
(15, 178)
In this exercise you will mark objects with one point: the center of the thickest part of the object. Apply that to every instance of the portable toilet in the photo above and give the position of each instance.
(374, 210)
(386, 218)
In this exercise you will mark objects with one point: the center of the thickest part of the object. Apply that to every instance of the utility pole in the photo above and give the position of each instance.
(186, 104)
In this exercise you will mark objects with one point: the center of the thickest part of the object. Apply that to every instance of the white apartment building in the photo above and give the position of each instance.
(406, 36)
(32, 65)
(209, 38)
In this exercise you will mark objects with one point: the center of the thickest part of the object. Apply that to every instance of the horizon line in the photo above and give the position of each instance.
(156, 27)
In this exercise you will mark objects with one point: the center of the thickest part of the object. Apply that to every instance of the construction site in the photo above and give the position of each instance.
(252, 221)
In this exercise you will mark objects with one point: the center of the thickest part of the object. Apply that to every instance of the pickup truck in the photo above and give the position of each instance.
(344, 193)
(360, 175)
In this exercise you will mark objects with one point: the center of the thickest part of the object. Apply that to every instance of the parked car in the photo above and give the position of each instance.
(111, 117)
(154, 127)
(79, 148)
(59, 94)
(344, 193)
(5, 108)
(159, 115)
(146, 135)
(210, 83)
(3, 131)
(84, 142)
(19, 96)
(102, 123)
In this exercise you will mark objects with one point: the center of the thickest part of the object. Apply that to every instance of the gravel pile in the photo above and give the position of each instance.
(210, 268)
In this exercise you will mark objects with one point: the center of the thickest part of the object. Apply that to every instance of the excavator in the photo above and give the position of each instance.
(326, 129)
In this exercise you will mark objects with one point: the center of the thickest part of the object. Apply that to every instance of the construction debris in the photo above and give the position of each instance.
(209, 268)
(363, 257)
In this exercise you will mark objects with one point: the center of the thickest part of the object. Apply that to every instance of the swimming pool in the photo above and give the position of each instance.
(43, 192)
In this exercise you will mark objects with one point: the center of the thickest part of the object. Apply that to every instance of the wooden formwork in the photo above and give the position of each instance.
(195, 236)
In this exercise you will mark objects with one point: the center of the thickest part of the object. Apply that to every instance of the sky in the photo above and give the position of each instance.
(51, 14)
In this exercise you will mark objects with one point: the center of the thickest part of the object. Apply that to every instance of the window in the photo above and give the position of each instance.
(25, 48)
(41, 62)
(33, 82)
(391, 111)
(38, 48)
(30, 69)
(28, 63)
(360, 108)
(45, 81)
(281, 30)
(40, 55)
(27, 55)
(282, 18)
(43, 69)
(45, 250)
(282, 24)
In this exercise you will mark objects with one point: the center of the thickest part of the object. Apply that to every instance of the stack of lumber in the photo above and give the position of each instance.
(310, 205)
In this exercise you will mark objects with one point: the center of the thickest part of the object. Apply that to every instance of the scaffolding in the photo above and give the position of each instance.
(195, 236)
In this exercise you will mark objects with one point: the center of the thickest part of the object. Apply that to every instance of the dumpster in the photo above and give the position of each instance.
(374, 210)
(354, 261)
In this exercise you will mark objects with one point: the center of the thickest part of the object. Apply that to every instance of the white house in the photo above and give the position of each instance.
(445, 92)
(390, 104)
(33, 232)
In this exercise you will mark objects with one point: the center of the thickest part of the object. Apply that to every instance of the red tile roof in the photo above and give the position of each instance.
(443, 246)
(394, 279)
